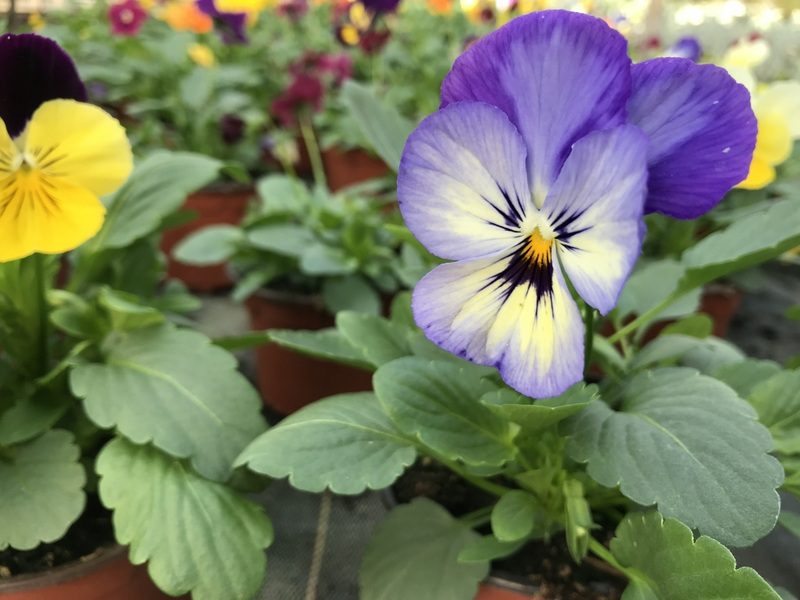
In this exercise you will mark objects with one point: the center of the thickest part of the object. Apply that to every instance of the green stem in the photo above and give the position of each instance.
(479, 482)
(588, 320)
(605, 554)
(43, 312)
(314, 154)
(478, 517)
(646, 317)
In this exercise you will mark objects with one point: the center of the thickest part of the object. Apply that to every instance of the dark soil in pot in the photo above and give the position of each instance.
(545, 569)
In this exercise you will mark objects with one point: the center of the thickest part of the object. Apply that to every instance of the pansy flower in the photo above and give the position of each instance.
(686, 47)
(232, 27)
(126, 17)
(58, 154)
(533, 177)
(184, 15)
(305, 92)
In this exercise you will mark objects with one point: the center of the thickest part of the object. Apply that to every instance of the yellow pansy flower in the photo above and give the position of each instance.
(202, 55)
(57, 155)
(777, 109)
(36, 21)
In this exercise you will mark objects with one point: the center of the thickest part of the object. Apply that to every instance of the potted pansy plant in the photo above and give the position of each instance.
(516, 437)
(117, 427)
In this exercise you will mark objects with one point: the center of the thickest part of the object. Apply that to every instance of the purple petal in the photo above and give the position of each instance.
(461, 185)
(557, 75)
(702, 133)
(33, 70)
(686, 47)
(470, 309)
(596, 208)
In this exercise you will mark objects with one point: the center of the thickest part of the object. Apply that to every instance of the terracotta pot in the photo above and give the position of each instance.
(106, 575)
(288, 380)
(496, 589)
(720, 302)
(348, 167)
(219, 205)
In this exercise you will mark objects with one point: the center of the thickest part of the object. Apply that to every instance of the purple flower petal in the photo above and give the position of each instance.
(461, 185)
(686, 47)
(232, 27)
(596, 207)
(33, 70)
(557, 75)
(535, 340)
(702, 133)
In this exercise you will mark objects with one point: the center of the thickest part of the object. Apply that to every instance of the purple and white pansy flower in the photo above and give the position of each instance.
(535, 174)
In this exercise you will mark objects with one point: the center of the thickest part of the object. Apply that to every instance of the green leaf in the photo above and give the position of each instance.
(413, 555)
(688, 443)
(777, 401)
(699, 326)
(650, 284)
(488, 548)
(345, 443)
(327, 344)
(319, 259)
(42, 490)
(157, 188)
(282, 194)
(744, 376)
(515, 515)
(668, 564)
(209, 246)
(706, 355)
(542, 414)
(285, 239)
(382, 125)
(400, 310)
(578, 522)
(196, 535)
(379, 340)
(350, 293)
(747, 242)
(175, 389)
(127, 312)
(31, 416)
(438, 403)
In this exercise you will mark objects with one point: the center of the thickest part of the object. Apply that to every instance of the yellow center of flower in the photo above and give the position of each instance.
(538, 250)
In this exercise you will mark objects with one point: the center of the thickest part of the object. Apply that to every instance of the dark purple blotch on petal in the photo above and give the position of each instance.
(33, 70)
(381, 6)
(232, 27)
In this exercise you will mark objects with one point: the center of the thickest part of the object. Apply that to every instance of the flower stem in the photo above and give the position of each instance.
(605, 554)
(43, 313)
(479, 482)
(645, 317)
(588, 320)
(314, 154)
(477, 518)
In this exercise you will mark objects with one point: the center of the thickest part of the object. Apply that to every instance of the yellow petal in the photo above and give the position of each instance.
(40, 214)
(8, 151)
(761, 175)
(79, 143)
(783, 98)
(774, 141)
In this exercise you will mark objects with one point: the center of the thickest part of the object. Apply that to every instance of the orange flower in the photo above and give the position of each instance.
(440, 7)
(185, 16)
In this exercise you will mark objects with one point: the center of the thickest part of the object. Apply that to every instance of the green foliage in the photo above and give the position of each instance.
(515, 516)
(196, 535)
(173, 388)
(666, 563)
(344, 443)
(412, 555)
(688, 443)
(42, 490)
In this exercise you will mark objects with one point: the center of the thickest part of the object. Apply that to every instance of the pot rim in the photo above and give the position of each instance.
(283, 297)
(66, 572)
(226, 188)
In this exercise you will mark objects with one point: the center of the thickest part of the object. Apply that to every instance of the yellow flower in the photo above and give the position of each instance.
(777, 109)
(241, 6)
(202, 55)
(52, 175)
(36, 21)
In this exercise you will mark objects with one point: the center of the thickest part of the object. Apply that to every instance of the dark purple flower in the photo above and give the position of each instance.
(305, 92)
(33, 70)
(231, 129)
(374, 40)
(686, 47)
(232, 27)
(381, 6)
(293, 10)
(336, 67)
(126, 17)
